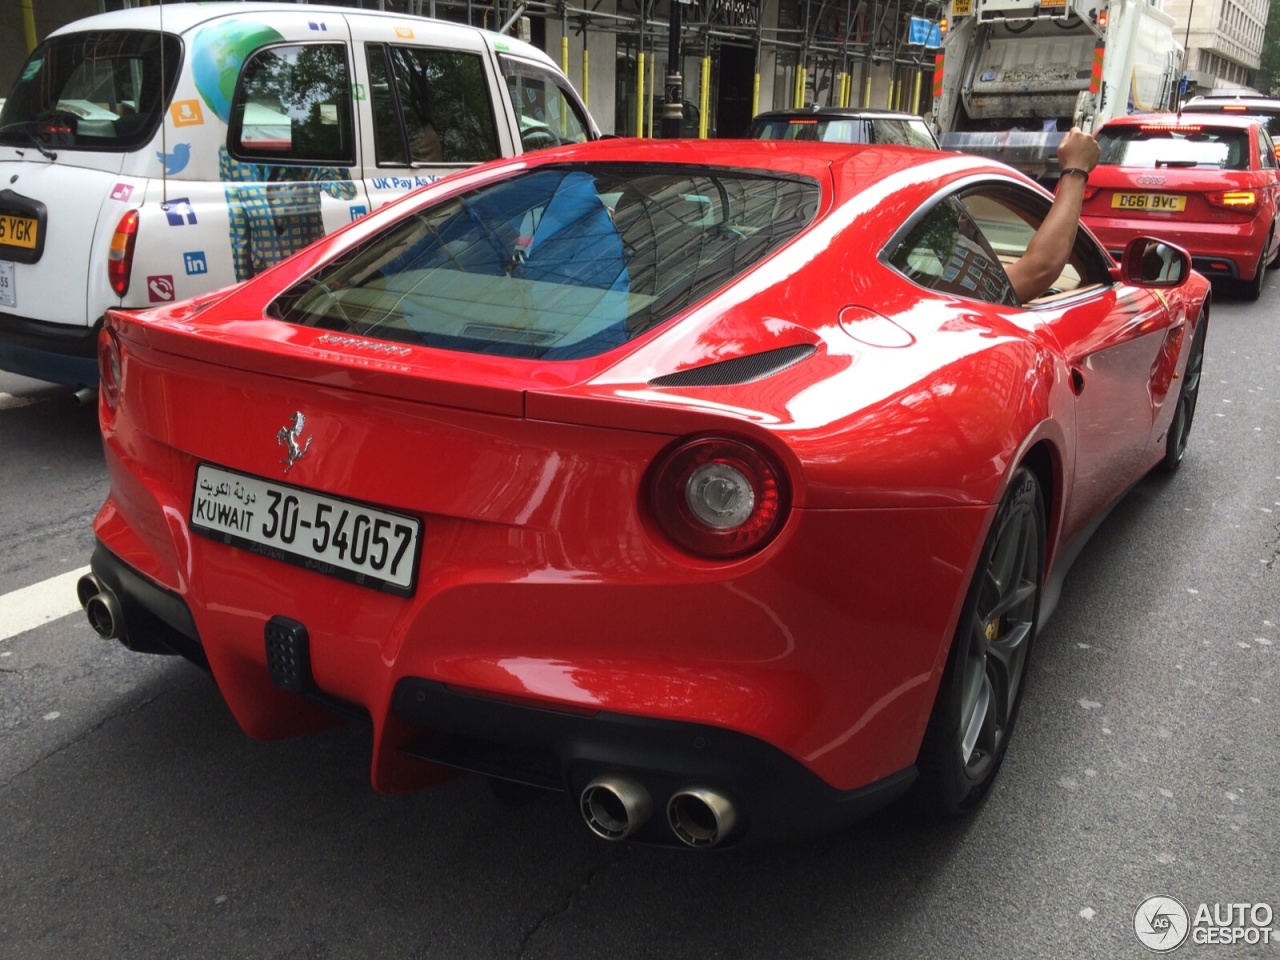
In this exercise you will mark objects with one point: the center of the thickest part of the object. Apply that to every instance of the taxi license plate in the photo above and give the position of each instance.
(18, 231)
(8, 285)
(333, 536)
(1154, 202)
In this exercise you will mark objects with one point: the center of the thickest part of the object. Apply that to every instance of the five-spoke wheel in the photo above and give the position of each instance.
(978, 699)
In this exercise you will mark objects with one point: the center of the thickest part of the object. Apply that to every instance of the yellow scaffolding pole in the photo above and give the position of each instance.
(640, 94)
(29, 24)
(704, 97)
(586, 79)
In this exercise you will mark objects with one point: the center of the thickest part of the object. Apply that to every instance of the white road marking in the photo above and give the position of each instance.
(8, 401)
(40, 603)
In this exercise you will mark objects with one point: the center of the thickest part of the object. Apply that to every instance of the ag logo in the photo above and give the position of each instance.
(1161, 924)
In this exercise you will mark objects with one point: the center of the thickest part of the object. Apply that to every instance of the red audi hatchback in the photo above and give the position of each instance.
(1206, 183)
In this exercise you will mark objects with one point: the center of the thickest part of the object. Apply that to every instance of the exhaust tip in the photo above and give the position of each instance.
(85, 396)
(103, 611)
(87, 587)
(615, 807)
(701, 817)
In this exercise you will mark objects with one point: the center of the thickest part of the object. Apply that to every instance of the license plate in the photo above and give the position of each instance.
(8, 285)
(341, 538)
(18, 231)
(1155, 202)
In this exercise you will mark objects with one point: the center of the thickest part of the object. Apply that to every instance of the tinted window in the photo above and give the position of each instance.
(546, 115)
(893, 130)
(430, 106)
(963, 244)
(808, 128)
(557, 263)
(100, 91)
(293, 104)
(946, 252)
(1187, 145)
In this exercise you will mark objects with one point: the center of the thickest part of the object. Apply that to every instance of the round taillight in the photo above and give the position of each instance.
(109, 367)
(718, 497)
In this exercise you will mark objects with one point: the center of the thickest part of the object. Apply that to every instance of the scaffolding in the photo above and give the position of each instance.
(805, 52)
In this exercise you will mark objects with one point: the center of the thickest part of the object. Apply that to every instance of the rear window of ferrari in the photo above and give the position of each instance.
(559, 262)
(1175, 146)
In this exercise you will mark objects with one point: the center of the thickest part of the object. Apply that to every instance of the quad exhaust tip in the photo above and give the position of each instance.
(615, 807)
(101, 607)
(701, 817)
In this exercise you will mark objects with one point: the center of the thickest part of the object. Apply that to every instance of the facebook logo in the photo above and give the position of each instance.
(195, 262)
(179, 210)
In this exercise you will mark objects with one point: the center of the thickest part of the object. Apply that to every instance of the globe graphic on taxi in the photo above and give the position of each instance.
(217, 54)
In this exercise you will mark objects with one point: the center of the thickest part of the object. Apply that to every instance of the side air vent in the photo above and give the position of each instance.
(739, 369)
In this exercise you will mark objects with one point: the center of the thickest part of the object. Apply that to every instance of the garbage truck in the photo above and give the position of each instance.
(1012, 76)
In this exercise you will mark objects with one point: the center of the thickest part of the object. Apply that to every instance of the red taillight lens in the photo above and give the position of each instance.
(109, 369)
(1245, 201)
(120, 256)
(719, 497)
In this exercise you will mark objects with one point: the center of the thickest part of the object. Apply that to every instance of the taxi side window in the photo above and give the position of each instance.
(430, 106)
(546, 115)
(292, 106)
(945, 251)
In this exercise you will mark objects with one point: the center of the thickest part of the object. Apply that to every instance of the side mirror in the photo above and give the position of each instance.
(1148, 262)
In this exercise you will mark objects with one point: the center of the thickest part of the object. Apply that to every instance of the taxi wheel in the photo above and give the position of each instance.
(981, 689)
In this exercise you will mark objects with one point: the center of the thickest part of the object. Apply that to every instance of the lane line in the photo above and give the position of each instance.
(9, 402)
(38, 604)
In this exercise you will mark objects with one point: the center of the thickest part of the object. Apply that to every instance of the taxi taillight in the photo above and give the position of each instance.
(1245, 201)
(120, 255)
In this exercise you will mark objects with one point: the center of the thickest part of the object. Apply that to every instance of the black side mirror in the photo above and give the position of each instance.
(1148, 262)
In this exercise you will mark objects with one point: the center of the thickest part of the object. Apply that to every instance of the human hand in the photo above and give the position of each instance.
(1078, 150)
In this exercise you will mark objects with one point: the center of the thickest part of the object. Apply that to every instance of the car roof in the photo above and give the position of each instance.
(180, 18)
(1226, 120)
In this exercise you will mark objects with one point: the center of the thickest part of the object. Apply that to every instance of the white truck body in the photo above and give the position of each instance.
(1017, 74)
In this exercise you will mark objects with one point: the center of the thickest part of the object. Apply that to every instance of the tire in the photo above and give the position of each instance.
(1252, 289)
(977, 703)
(1175, 439)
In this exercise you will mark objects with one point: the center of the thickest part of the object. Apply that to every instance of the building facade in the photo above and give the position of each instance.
(738, 57)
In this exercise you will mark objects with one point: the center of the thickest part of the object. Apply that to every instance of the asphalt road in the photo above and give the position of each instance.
(137, 821)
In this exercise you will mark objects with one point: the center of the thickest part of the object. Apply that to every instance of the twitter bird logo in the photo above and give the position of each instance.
(176, 161)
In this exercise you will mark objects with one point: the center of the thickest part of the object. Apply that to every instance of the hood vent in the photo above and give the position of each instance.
(738, 370)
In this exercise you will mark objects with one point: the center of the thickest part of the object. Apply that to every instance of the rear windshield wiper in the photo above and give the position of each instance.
(26, 126)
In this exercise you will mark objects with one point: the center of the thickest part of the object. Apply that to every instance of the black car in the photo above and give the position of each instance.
(844, 125)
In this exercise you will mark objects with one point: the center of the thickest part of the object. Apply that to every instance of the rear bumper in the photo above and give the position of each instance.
(773, 794)
(1219, 251)
(54, 352)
